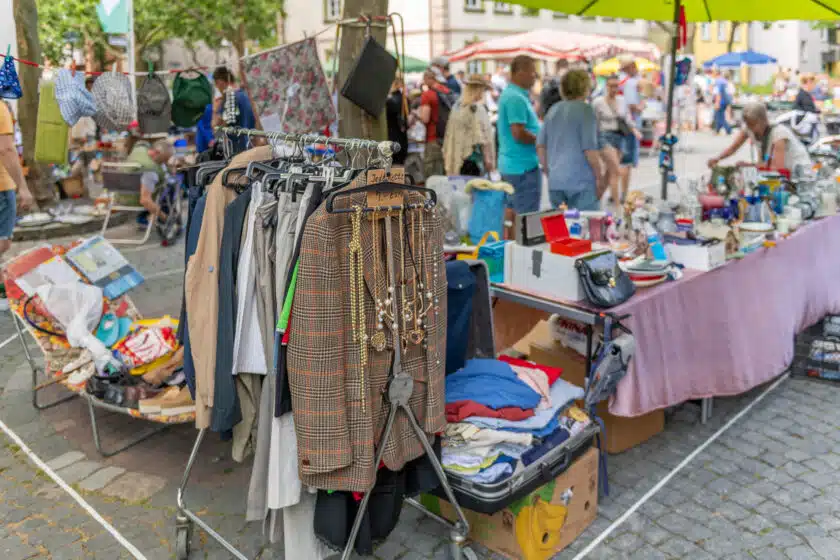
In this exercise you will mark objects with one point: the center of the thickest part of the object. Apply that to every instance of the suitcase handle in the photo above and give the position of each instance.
(549, 473)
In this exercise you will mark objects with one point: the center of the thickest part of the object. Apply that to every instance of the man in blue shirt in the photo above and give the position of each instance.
(517, 128)
(242, 116)
(450, 80)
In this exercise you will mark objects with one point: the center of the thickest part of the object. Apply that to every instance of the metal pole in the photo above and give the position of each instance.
(669, 117)
(132, 67)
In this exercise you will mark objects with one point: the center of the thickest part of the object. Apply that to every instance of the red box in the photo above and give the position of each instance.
(557, 234)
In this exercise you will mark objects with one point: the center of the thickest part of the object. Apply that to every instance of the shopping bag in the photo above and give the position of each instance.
(488, 212)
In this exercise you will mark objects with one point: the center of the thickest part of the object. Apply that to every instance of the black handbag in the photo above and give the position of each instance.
(624, 128)
(604, 283)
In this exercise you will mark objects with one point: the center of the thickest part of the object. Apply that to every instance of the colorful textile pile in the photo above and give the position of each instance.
(505, 414)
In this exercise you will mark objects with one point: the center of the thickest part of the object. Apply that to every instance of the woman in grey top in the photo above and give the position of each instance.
(568, 147)
(611, 112)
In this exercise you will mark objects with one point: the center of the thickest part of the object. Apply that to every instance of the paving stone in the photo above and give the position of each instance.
(801, 553)
(135, 487)
(654, 534)
(827, 547)
(679, 548)
(389, 550)
(769, 553)
(100, 479)
(65, 460)
(756, 523)
(747, 498)
(78, 471)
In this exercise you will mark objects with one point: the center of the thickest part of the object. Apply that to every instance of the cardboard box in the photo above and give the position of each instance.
(621, 432)
(698, 257)
(515, 326)
(537, 269)
(539, 521)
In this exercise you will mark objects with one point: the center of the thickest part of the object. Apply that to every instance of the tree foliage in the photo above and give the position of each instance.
(157, 20)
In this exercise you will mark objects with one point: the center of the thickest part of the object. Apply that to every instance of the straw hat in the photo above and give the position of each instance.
(476, 80)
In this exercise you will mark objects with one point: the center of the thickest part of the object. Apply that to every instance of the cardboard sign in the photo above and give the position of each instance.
(389, 198)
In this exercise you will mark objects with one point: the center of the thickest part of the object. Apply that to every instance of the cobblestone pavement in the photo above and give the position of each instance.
(765, 490)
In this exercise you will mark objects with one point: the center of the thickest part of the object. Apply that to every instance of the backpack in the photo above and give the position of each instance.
(190, 96)
(445, 103)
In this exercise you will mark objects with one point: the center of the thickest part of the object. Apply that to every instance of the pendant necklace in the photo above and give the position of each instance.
(357, 300)
(379, 341)
(417, 334)
(405, 311)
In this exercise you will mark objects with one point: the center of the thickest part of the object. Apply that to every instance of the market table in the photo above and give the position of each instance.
(721, 332)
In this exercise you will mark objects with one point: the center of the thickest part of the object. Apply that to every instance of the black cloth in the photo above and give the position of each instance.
(226, 411)
(805, 102)
(283, 394)
(397, 125)
(335, 512)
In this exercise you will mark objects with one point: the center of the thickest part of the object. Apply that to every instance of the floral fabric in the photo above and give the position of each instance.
(288, 88)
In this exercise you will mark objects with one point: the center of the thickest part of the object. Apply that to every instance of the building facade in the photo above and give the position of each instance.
(433, 27)
(795, 44)
(712, 39)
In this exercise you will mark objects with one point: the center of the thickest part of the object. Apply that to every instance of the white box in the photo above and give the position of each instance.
(698, 257)
(539, 270)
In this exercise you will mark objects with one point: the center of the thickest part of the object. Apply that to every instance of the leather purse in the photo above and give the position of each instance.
(604, 283)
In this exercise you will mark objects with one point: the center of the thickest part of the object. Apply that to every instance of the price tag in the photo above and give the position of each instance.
(384, 199)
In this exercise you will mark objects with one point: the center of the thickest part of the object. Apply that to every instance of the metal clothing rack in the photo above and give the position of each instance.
(399, 389)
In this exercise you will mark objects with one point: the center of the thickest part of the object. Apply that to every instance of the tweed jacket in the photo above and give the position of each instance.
(340, 410)
(201, 286)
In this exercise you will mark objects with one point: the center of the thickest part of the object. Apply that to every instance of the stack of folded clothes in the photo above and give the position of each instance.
(505, 414)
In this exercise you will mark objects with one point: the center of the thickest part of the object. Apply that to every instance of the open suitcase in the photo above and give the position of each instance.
(470, 327)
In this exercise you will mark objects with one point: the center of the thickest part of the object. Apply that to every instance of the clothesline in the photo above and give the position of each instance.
(99, 72)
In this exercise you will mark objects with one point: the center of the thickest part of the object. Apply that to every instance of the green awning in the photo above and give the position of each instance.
(412, 65)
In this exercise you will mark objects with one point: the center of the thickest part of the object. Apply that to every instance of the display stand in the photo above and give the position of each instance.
(400, 388)
(591, 319)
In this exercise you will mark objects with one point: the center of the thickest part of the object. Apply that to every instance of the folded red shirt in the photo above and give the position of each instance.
(552, 372)
(458, 410)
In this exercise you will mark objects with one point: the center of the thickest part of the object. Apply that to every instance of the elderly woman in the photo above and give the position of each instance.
(568, 147)
(469, 147)
(778, 146)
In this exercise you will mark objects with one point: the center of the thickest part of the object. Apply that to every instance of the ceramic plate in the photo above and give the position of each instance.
(756, 227)
(35, 219)
(649, 283)
(73, 219)
(646, 277)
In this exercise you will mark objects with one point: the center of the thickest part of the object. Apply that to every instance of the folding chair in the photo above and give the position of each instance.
(123, 178)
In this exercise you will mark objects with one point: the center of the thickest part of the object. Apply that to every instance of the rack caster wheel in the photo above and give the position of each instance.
(183, 538)
(460, 552)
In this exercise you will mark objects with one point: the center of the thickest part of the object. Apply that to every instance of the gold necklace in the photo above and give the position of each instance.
(357, 300)
(417, 334)
(378, 341)
(405, 311)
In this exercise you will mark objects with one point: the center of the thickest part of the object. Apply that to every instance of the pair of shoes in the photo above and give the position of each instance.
(171, 402)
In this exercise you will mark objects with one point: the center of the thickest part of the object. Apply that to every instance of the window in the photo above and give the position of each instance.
(705, 31)
(628, 20)
(530, 12)
(332, 10)
(803, 52)
(473, 5)
(736, 36)
(721, 29)
(502, 8)
(475, 67)
(561, 15)
(607, 19)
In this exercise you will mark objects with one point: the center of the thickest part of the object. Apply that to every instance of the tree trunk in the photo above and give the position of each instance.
(353, 121)
(733, 27)
(29, 48)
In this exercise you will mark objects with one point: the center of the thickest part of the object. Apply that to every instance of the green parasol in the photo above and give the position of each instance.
(411, 64)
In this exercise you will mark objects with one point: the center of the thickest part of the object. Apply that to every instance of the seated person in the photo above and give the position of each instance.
(149, 159)
(778, 146)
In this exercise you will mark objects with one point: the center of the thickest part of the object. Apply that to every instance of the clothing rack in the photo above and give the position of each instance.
(399, 391)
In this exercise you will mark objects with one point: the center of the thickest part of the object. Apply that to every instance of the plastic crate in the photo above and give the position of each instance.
(817, 351)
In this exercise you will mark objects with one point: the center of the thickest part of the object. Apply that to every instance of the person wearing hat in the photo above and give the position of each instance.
(469, 147)
(435, 103)
(11, 179)
(233, 108)
(450, 81)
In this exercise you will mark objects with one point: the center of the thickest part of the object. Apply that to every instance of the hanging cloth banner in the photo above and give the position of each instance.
(113, 15)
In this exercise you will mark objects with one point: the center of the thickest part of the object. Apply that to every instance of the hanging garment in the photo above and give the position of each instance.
(114, 101)
(73, 98)
(226, 411)
(9, 82)
(288, 88)
(190, 97)
(154, 109)
(264, 258)
(193, 230)
(52, 135)
(246, 433)
(202, 286)
(340, 409)
(248, 349)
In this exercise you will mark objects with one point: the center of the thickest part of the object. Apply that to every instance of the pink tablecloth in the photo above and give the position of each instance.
(731, 329)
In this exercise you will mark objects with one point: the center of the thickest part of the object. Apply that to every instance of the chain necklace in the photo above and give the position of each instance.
(417, 335)
(357, 294)
(405, 310)
(379, 341)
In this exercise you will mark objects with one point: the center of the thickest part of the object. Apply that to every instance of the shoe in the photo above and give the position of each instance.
(180, 404)
(165, 370)
(142, 392)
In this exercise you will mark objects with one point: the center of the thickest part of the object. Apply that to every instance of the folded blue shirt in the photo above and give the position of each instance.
(562, 393)
(548, 443)
(491, 383)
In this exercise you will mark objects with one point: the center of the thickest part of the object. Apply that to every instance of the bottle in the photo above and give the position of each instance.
(655, 244)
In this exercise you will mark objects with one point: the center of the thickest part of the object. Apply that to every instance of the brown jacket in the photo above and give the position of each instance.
(201, 286)
(340, 411)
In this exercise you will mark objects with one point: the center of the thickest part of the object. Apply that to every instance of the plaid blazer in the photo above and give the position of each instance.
(340, 411)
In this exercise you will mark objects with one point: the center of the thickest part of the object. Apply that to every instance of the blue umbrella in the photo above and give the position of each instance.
(738, 59)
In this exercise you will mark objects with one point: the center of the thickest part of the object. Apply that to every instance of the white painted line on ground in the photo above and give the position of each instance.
(73, 494)
(164, 273)
(147, 247)
(8, 340)
(659, 485)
